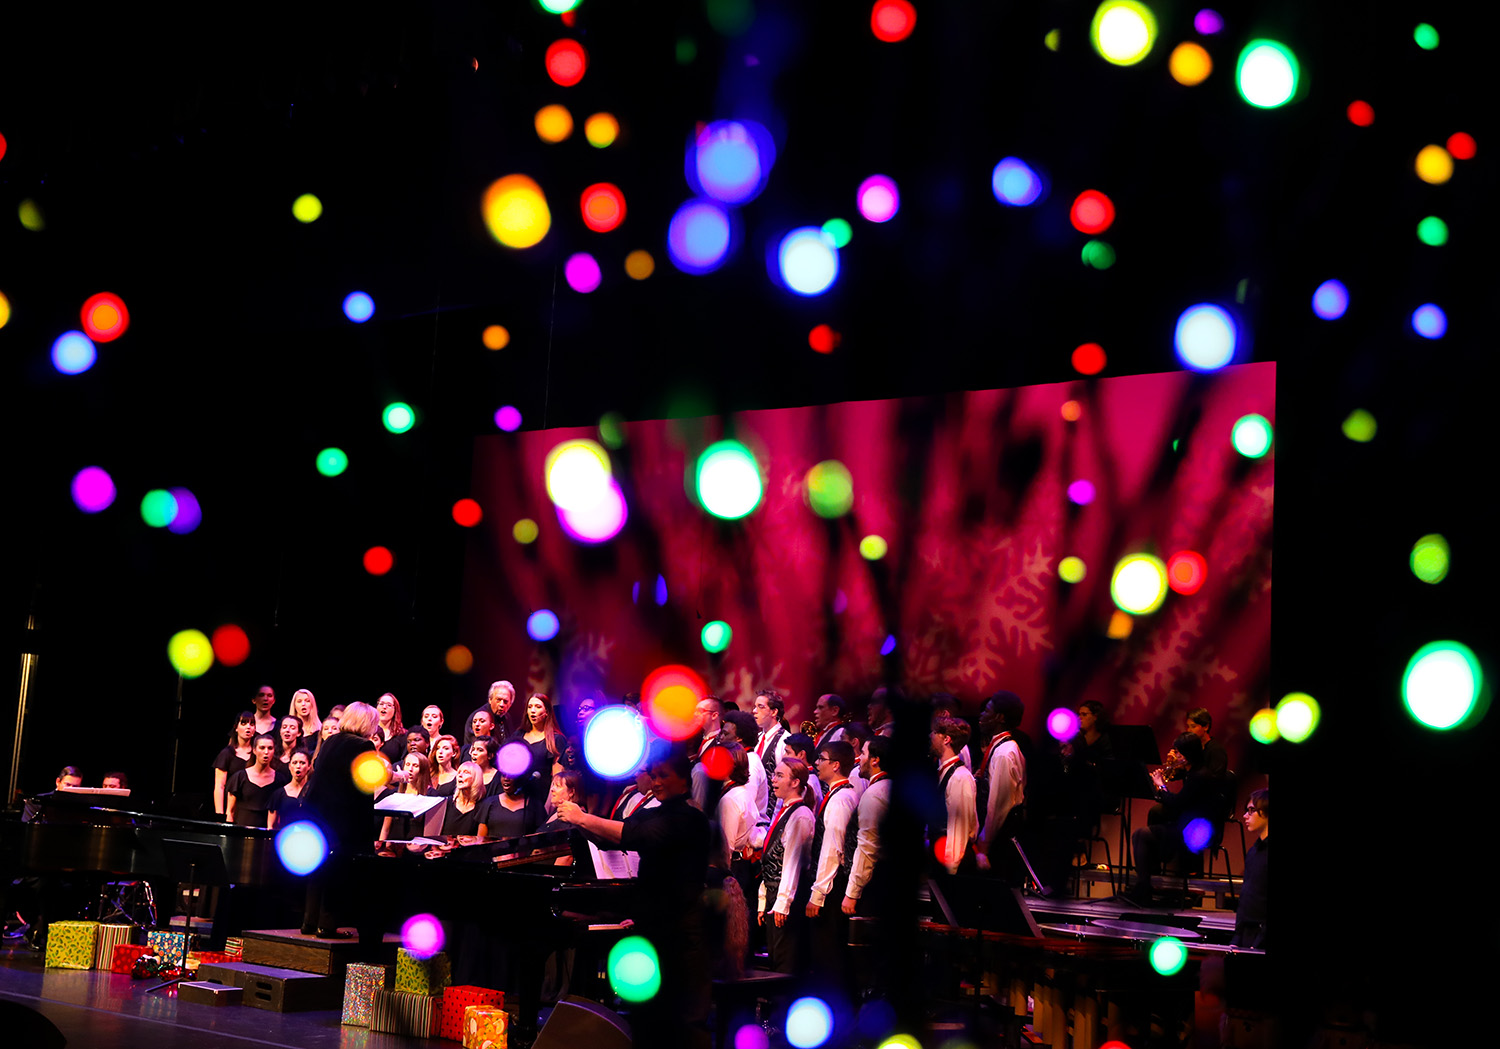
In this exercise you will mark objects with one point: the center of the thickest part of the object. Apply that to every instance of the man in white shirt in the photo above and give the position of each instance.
(835, 817)
(830, 714)
(1004, 771)
(710, 717)
(872, 810)
(957, 784)
(616, 863)
(769, 712)
(739, 727)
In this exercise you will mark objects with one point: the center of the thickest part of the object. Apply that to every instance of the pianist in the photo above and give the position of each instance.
(115, 781)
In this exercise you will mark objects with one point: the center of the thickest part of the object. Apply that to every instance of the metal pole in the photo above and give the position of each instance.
(28, 671)
(177, 736)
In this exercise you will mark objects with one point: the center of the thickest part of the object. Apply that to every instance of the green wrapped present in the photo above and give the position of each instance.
(422, 975)
(70, 945)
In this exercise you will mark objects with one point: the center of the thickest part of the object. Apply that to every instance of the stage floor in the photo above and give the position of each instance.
(113, 1012)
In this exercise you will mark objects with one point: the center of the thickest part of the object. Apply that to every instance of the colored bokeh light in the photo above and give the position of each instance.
(1052, 39)
(73, 353)
(104, 317)
(332, 461)
(398, 417)
(1331, 300)
(514, 759)
(1139, 584)
(1071, 569)
(824, 339)
(93, 489)
(1098, 255)
(190, 653)
(892, 21)
(189, 513)
(888, 645)
(878, 198)
(378, 560)
(729, 160)
(1190, 64)
(873, 547)
(1089, 359)
(1360, 113)
(612, 430)
(582, 272)
(807, 261)
(1015, 183)
(601, 130)
(577, 473)
(1297, 717)
(542, 625)
(1429, 558)
(906, 1041)
(1187, 571)
(1062, 724)
(508, 418)
(1120, 625)
(1434, 165)
(467, 513)
(1359, 426)
(1432, 231)
(231, 645)
(515, 211)
(559, 7)
(614, 742)
(669, 697)
(730, 17)
(718, 762)
(1123, 31)
(600, 522)
(30, 214)
(370, 772)
(1092, 212)
(553, 123)
(1205, 337)
(634, 969)
(1267, 74)
(830, 489)
(1168, 955)
(458, 659)
(495, 337)
(158, 508)
(1081, 492)
(1461, 146)
(1429, 321)
(1208, 22)
(639, 264)
(567, 61)
(1443, 685)
(1071, 411)
(358, 307)
(809, 1023)
(1197, 834)
(1251, 436)
(307, 208)
(603, 207)
(752, 1036)
(715, 636)
(698, 237)
(1426, 36)
(301, 847)
(525, 531)
(1263, 726)
(728, 480)
(840, 230)
(422, 935)
(4, 310)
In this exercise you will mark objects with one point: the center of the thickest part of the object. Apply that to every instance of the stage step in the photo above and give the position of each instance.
(290, 949)
(278, 990)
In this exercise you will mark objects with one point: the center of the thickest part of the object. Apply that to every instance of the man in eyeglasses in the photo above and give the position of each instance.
(265, 721)
(1250, 917)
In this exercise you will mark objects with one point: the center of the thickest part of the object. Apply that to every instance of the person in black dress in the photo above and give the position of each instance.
(247, 795)
(289, 732)
(546, 744)
(403, 828)
(507, 813)
(461, 810)
(343, 812)
(237, 754)
(287, 801)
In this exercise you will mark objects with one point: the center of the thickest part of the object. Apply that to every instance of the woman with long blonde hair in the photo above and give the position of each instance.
(305, 710)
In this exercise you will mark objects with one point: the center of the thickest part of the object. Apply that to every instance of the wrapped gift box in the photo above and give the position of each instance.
(397, 1012)
(197, 958)
(124, 956)
(169, 945)
(70, 945)
(360, 984)
(234, 946)
(485, 1027)
(422, 975)
(110, 937)
(458, 999)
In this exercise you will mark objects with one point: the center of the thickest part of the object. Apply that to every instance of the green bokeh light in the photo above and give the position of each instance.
(634, 971)
(1432, 231)
(1297, 716)
(1426, 36)
(190, 652)
(612, 430)
(728, 480)
(1071, 569)
(1429, 558)
(559, 7)
(730, 17)
(1252, 436)
(687, 50)
(1443, 685)
(1052, 39)
(332, 462)
(1267, 74)
(1168, 955)
(1360, 426)
(398, 417)
(830, 489)
(716, 636)
(873, 547)
(1097, 254)
(1263, 726)
(840, 231)
(307, 208)
(159, 508)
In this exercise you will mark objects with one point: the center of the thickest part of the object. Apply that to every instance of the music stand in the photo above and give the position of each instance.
(1124, 775)
(194, 863)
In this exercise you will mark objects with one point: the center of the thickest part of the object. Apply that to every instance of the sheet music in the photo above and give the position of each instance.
(408, 804)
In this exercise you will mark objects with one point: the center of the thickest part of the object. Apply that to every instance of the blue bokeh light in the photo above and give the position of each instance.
(1015, 183)
(542, 625)
(807, 261)
(1331, 300)
(1429, 321)
(1197, 834)
(358, 307)
(889, 645)
(614, 742)
(699, 237)
(730, 160)
(1205, 337)
(661, 590)
(809, 1023)
(301, 847)
(73, 353)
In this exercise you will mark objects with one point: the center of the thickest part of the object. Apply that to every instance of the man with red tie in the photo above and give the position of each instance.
(835, 821)
(710, 716)
(830, 714)
(769, 712)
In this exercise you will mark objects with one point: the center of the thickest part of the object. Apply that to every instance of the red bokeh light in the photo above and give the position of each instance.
(940, 849)
(824, 339)
(4, 145)
(1361, 114)
(104, 317)
(379, 560)
(570, 18)
(669, 696)
(467, 513)
(717, 762)
(567, 61)
(1462, 145)
(1092, 212)
(892, 20)
(1089, 359)
(603, 207)
(1186, 571)
(231, 645)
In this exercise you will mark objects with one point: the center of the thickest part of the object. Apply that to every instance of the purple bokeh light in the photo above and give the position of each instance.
(1197, 834)
(93, 489)
(1081, 492)
(582, 272)
(599, 523)
(1208, 22)
(514, 759)
(422, 935)
(1062, 724)
(751, 1036)
(508, 418)
(878, 198)
(189, 513)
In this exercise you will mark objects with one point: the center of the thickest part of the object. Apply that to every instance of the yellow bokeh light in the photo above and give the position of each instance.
(496, 337)
(873, 547)
(515, 210)
(525, 531)
(601, 130)
(459, 659)
(578, 474)
(639, 264)
(1434, 165)
(371, 772)
(307, 208)
(553, 123)
(1072, 411)
(1120, 625)
(4, 310)
(1071, 569)
(1123, 31)
(1052, 39)
(31, 216)
(1190, 64)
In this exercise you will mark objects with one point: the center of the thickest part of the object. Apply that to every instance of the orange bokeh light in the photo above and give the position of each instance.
(104, 317)
(1072, 411)
(1186, 571)
(603, 207)
(669, 696)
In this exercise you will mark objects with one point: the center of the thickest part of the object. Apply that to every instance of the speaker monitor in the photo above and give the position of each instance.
(578, 1022)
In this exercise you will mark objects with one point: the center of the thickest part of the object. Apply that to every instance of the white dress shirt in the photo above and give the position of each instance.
(872, 808)
(839, 818)
(963, 817)
(857, 781)
(1007, 772)
(796, 837)
(616, 863)
(760, 787)
(737, 817)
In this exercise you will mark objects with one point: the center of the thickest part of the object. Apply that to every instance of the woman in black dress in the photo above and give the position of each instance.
(248, 793)
(286, 801)
(444, 754)
(237, 754)
(404, 828)
(290, 734)
(461, 811)
(389, 709)
(508, 813)
(481, 723)
(546, 744)
(343, 812)
(305, 710)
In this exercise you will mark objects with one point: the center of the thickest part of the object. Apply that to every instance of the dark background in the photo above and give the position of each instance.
(166, 144)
